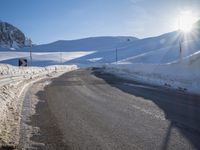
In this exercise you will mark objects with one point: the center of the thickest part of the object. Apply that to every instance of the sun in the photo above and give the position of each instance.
(186, 21)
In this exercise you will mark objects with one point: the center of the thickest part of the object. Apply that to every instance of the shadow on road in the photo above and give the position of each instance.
(182, 110)
(46, 134)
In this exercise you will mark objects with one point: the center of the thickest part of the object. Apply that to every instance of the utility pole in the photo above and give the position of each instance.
(181, 50)
(116, 55)
(180, 32)
(30, 52)
(181, 47)
(60, 57)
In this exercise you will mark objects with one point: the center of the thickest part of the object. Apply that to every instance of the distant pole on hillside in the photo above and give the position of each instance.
(30, 52)
(180, 37)
(116, 52)
(60, 57)
(180, 48)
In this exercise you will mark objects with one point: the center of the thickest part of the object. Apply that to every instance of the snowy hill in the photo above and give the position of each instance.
(166, 54)
(108, 43)
(66, 51)
(165, 48)
(86, 44)
(10, 36)
(156, 50)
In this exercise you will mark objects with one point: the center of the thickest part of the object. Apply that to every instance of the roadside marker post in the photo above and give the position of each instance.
(23, 62)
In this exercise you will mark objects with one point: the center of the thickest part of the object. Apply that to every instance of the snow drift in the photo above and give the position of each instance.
(183, 74)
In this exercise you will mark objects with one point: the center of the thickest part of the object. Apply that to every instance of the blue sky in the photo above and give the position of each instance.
(50, 20)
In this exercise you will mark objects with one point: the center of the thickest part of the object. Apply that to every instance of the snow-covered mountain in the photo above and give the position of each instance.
(86, 44)
(11, 37)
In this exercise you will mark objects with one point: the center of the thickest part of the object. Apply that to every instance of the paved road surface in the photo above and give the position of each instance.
(92, 110)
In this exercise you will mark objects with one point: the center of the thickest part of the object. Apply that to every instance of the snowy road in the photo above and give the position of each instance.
(89, 110)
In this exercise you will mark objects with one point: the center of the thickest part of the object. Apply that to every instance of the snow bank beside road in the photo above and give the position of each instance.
(13, 81)
(182, 75)
(8, 70)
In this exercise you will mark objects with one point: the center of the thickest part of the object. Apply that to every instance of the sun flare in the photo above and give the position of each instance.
(186, 21)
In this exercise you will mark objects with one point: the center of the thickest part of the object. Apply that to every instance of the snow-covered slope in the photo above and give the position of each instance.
(155, 50)
(167, 54)
(86, 44)
(66, 51)
(183, 74)
(168, 48)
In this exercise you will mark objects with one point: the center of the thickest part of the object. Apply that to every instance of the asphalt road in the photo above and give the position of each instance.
(91, 110)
